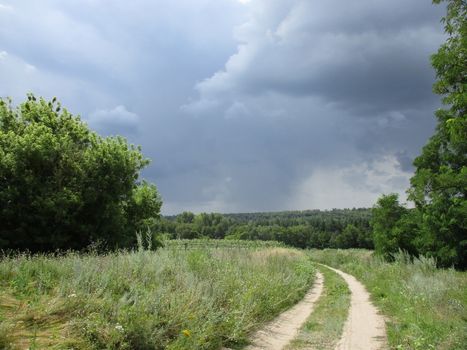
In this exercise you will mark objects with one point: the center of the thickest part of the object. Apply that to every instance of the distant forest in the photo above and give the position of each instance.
(337, 228)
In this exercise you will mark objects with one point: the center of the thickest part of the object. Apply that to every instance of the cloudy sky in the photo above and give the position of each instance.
(256, 105)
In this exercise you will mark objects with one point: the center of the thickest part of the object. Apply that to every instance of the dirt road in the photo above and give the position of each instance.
(277, 334)
(364, 328)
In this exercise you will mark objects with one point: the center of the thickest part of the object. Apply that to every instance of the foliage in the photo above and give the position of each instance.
(391, 225)
(349, 238)
(302, 229)
(171, 299)
(63, 186)
(425, 307)
(439, 186)
(438, 225)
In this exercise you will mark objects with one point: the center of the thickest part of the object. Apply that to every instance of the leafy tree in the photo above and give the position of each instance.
(212, 225)
(386, 215)
(439, 186)
(186, 231)
(348, 238)
(63, 186)
(297, 236)
(186, 217)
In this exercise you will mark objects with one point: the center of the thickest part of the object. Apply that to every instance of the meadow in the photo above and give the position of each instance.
(207, 294)
(172, 298)
(425, 307)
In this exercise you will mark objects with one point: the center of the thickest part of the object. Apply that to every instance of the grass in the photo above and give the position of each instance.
(220, 243)
(169, 299)
(324, 327)
(426, 308)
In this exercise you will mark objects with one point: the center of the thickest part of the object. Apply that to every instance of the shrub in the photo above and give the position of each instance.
(63, 186)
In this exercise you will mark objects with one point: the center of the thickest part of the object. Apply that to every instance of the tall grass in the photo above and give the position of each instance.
(220, 243)
(169, 299)
(426, 307)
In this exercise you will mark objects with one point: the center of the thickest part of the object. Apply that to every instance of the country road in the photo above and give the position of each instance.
(364, 328)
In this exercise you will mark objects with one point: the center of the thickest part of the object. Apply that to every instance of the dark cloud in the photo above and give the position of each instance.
(272, 105)
(373, 61)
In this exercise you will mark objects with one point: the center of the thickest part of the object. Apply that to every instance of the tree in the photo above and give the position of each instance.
(186, 231)
(439, 186)
(349, 238)
(63, 186)
(186, 217)
(387, 213)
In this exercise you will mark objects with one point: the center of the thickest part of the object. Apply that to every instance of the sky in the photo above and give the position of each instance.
(242, 105)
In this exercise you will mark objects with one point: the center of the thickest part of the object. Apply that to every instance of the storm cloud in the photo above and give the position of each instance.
(242, 105)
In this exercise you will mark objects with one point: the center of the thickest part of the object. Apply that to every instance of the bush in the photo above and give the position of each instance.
(62, 186)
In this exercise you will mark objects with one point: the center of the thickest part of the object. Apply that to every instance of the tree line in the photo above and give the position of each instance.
(338, 228)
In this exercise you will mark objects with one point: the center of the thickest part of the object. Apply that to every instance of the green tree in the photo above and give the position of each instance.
(186, 231)
(63, 186)
(439, 186)
(387, 213)
(349, 238)
(186, 217)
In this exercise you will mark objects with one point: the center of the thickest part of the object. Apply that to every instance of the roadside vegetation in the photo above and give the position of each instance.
(324, 327)
(437, 226)
(219, 243)
(172, 298)
(425, 307)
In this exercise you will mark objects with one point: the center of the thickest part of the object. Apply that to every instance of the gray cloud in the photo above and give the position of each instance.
(114, 121)
(271, 105)
(373, 61)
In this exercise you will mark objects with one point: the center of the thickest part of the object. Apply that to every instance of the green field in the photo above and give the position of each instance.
(211, 294)
(199, 298)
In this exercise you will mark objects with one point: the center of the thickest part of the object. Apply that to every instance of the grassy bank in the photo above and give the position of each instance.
(324, 327)
(426, 308)
(170, 299)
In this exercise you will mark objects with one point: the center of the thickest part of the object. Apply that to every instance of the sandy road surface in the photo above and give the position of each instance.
(363, 330)
(277, 334)
(365, 327)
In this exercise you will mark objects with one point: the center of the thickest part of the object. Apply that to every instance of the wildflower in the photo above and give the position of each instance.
(186, 333)
(119, 327)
